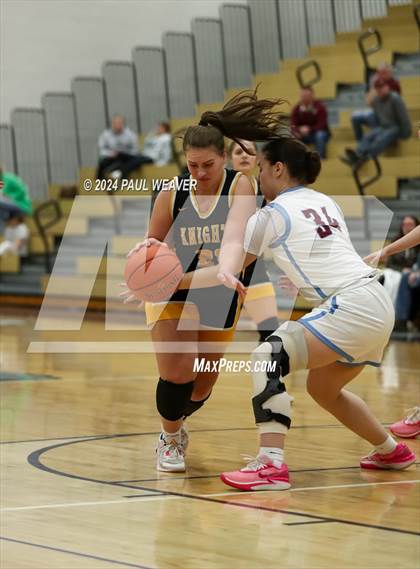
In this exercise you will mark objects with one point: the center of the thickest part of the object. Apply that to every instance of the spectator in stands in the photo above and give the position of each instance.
(367, 117)
(158, 145)
(14, 196)
(309, 121)
(393, 123)
(16, 236)
(119, 154)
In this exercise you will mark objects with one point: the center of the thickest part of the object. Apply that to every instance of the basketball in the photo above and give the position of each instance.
(153, 273)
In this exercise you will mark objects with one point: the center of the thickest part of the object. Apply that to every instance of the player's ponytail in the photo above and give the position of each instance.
(312, 166)
(243, 117)
(303, 164)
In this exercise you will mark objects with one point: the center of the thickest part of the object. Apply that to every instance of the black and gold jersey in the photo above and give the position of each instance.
(197, 238)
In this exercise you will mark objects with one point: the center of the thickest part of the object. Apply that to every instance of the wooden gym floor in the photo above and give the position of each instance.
(79, 487)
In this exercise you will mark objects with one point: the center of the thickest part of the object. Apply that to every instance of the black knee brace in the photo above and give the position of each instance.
(267, 327)
(280, 356)
(273, 387)
(193, 406)
(172, 398)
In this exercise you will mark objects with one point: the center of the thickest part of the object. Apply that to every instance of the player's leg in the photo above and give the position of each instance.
(294, 348)
(326, 386)
(261, 306)
(206, 377)
(283, 352)
(174, 390)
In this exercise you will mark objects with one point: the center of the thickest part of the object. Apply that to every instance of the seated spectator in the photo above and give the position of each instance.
(393, 124)
(367, 117)
(309, 121)
(119, 154)
(14, 196)
(16, 236)
(158, 145)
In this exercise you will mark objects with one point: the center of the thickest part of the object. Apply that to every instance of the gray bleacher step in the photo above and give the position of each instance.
(407, 64)
(17, 288)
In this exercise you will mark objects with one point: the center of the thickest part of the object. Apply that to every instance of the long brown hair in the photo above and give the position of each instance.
(243, 117)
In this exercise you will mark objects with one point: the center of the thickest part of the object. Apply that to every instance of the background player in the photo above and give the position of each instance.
(260, 301)
(409, 427)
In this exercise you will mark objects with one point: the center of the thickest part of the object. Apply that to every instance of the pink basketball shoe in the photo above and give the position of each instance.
(408, 428)
(258, 474)
(399, 459)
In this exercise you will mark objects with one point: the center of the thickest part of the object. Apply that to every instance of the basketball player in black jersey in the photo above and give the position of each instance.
(196, 223)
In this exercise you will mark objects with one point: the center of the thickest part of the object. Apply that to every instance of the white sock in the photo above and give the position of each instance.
(275, 454)
(172, 436)
(388, 446)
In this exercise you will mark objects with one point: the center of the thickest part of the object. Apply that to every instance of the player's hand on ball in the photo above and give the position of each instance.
(145, 243)
(230, 281)
(127, 296)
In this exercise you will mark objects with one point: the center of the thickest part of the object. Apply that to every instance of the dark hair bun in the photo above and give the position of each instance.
(312, 166)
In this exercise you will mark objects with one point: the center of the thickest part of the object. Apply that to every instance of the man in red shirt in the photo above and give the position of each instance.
(310, 121)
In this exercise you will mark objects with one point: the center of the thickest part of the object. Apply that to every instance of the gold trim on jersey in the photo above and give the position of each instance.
(172, 202)
(194, 201)
(260, 290)
(234, 184)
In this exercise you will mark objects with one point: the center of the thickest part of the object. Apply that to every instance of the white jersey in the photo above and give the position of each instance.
(310, 242)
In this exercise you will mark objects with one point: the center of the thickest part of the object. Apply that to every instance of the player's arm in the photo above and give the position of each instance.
(232, 254)
(406, 242)
(262, 230)
(232, 257)
(160, 222)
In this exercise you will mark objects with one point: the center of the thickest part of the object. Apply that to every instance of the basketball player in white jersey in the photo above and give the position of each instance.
(348, 329)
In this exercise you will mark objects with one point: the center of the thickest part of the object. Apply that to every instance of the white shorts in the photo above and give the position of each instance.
(356, 323)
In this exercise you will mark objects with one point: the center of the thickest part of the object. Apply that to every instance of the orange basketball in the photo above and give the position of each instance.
(153, 273)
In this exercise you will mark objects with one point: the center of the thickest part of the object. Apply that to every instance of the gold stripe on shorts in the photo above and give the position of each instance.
(170, 311)
(257, 291)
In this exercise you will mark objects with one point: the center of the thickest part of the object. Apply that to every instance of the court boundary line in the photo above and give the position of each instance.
(34, 460)
(79, 554)
(167, 494)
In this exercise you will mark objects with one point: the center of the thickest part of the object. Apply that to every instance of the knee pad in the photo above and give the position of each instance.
(289, 340)
(193, 406)
(271, 403)
(172, 398)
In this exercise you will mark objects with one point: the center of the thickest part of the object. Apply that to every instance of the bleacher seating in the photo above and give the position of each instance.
(342, 68)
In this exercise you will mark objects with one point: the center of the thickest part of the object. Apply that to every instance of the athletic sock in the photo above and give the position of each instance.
(168, 437)
(388, 446)
(276, 455)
